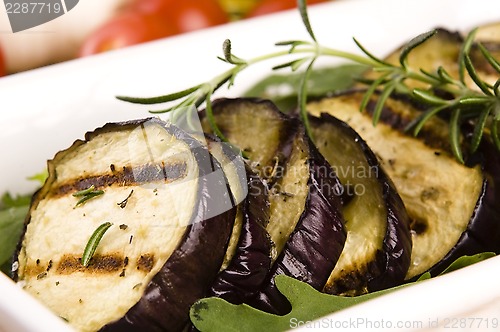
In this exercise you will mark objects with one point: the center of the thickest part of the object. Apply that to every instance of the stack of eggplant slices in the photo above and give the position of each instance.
(141, 219)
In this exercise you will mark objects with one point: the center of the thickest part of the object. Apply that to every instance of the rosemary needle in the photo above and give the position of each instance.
(93, 242)
(87, 194)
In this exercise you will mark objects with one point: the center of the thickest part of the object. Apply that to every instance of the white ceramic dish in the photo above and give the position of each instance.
(45, 110)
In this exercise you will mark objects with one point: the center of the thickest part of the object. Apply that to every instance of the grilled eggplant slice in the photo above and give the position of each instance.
(314, 245)
(449, 204)
(244, 276)
(172, 216)
(378, 246)
(233, 166)
(305, 224)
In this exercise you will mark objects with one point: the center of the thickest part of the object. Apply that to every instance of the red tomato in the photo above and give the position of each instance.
(272, 6)
(128, 28)
(185, 15)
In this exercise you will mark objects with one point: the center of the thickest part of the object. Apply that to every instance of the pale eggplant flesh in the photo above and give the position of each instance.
(171, 212)
(378, 246)
(449, 204)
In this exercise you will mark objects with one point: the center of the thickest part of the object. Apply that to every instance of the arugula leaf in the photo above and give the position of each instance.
(282, 88)
(467, 260)
(11, 227)
(307, 304)
(13, 211)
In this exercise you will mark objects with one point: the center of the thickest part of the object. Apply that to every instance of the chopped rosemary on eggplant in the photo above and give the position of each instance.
(87, 194)
(93, 243)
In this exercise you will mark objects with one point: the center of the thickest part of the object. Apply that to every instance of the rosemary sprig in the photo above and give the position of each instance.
(93, 243)
(87, 194)
(479, 107)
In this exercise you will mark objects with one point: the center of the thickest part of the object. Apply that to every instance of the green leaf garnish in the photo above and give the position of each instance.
(467, 261)
(11, 227)
(307, 304)
(40, 177)
(93, 242)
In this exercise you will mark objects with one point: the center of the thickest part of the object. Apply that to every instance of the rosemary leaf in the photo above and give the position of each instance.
(292, 43)
(386, 92)
(474, 101)
(475, 77)
(479, 129)
(88, 197)
(302, 5)
(427, 97)
(464, 51)
(445, 76)
(302, 98)
(494, 133)
(412, 44)
(159, 99)
(166, 110)
(231, 58)
(294, 65)
(455, 134)
(87, 194)
(371, 90)
(496, 88)
(84, 192)
(491, 60)
(93, 242)
(371, 56)
(420, 121)
(211, 119)
(430, 75)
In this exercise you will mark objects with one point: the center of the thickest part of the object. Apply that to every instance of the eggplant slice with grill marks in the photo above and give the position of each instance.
(172, 215)
(450, 205)
(306, 225)
(314, 244)
(378, 246)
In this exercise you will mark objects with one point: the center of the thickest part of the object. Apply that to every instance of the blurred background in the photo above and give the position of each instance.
(96, 26)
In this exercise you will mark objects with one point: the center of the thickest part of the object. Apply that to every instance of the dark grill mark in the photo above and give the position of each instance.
(102, 264)
(125, 177)
(145, 262)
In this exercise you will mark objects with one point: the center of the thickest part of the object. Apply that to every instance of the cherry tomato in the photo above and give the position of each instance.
(128, 28)
(272, 6)
(185, 15)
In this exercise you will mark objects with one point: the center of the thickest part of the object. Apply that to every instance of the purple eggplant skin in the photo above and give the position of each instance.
(316, 243)
(247, 271)
(394, 256)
